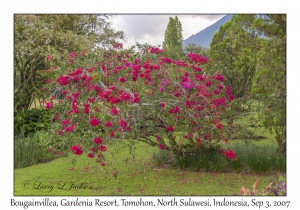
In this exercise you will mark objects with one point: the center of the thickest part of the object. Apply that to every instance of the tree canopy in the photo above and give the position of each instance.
(39, 38)
(233, 53)
(250, 51)
(270, 80)
(172, 44)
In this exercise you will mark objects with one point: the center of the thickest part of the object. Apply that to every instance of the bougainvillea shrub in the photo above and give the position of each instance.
(111, 96)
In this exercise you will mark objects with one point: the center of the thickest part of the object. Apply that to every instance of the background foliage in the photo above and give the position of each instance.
(38, 36)
(250, 51)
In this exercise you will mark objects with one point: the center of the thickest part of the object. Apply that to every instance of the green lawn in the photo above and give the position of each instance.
(124, 176)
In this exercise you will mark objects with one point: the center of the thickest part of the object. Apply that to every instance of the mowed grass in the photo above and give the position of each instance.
(126, 176)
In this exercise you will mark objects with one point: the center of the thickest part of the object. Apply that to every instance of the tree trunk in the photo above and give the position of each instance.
(281, 140)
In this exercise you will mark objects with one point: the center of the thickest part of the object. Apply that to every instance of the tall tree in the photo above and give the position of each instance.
(172, 44)
(270, 80)
(232, 52)
(250, 51)
(37, 36)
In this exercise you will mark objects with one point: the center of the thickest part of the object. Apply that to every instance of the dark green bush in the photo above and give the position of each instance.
(205, 159)
(30, 121)
(251, 158)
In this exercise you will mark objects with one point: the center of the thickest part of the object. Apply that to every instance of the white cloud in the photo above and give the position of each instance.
(151, 28)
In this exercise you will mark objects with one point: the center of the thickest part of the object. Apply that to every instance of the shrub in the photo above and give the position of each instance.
(252, 158)
(208, 160)
(29, 121)
(165, 103)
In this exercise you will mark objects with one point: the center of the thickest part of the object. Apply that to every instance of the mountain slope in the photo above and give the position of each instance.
(204, 37)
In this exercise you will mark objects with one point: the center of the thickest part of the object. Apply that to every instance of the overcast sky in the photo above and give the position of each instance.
(151, 28)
